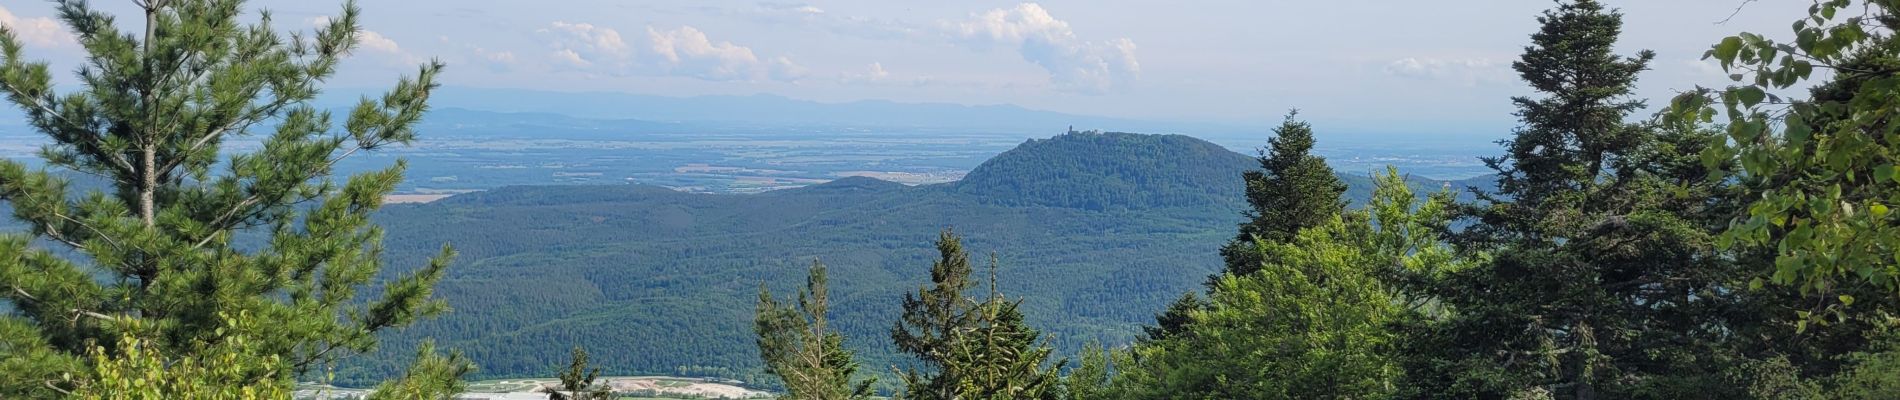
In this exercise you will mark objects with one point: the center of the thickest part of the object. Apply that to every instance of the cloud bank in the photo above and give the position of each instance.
(1470, 71)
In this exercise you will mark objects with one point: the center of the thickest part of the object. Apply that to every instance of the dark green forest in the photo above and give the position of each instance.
(652, 280)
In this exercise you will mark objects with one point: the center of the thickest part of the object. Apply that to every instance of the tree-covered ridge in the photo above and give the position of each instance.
(640, 275)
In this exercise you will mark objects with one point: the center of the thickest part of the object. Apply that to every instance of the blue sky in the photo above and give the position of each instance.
(1367, 65)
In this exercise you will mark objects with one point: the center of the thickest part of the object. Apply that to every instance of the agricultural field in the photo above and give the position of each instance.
(661, 387)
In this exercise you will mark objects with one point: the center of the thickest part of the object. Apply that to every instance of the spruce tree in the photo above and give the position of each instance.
(932, 320)
(1001, 357)
(156, 248)
(1293, 190)
(1603, 281)
(800, 348)
(969, 348)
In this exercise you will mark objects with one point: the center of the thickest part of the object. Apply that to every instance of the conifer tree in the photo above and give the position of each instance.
(155, 249)
(1603, 282)
(1293, 190)
(970, 349)
(577, 381)
(932, 319)
(1001, 357)
(800, 348)
(1176, 318)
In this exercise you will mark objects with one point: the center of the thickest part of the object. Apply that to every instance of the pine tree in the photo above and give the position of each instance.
(156, 248)
(800, 348)
(970, 349)
(577, 381)
(1603, 282)
(1293, 190)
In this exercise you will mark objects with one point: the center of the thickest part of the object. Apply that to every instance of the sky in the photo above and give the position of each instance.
(1365, 65)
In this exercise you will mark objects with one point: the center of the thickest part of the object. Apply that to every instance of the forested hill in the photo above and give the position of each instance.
(1114, 170)
(1096, 231)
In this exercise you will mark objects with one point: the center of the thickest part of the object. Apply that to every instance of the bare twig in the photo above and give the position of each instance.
(1738, 11)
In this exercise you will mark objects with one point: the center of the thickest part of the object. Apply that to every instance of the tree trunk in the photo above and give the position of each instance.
(148, 185)
(148, 155)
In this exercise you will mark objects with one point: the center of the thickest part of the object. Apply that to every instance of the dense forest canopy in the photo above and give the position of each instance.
(640, 274)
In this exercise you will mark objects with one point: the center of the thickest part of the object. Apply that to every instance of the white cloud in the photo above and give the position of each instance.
(372, 41)
(37, 31)
(689, 48)
(1470, 71)
(783, 69)
(687, 51)
(585, 45)
(1077, 65)
(682, 51)
(499, 61)
(809, 9)
(1027, 20)
(870, 74)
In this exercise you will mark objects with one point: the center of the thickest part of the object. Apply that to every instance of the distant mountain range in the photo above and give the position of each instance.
(771, 110)
(1096, 231)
